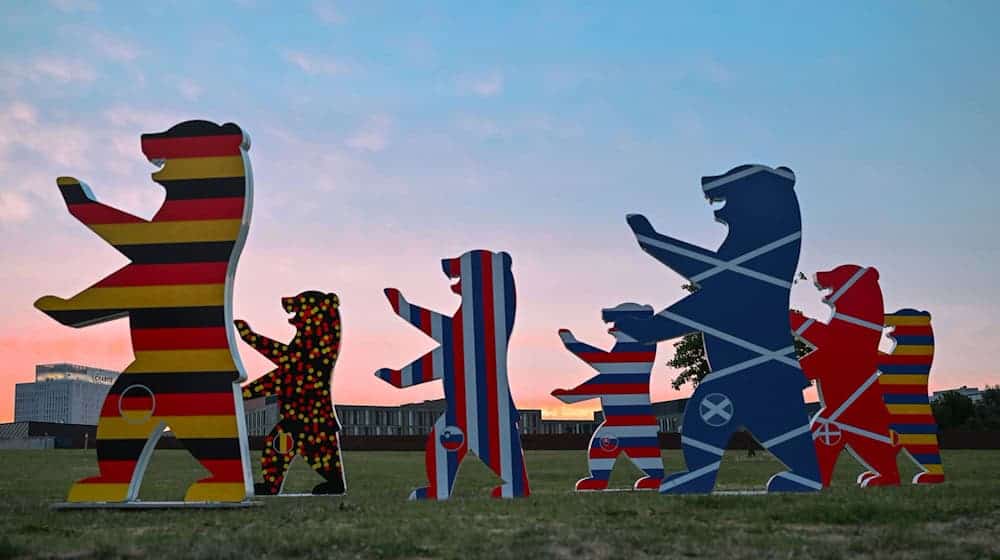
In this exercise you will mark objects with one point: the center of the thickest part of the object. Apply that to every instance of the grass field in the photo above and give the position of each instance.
(959, 519)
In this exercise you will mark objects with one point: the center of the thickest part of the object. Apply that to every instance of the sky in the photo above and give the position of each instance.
(386, 136)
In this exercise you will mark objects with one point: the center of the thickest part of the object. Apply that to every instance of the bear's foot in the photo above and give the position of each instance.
(864, 475)
(647, 483)
(207, 491)
(880, 480)
(591, 484)
(333, 487)
(698, 481)
(788, 481)
(424, 493)
(97, 489)
(928, 478)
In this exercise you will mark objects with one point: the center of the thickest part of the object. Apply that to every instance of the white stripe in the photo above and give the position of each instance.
(622, 367)
(854, 396)
(643, 239)
(804, 327)
(625, 400)
(732, 339)
(800, 480)
(736, 368)
(733, 263)
(441, 459)
(685, 440)
(847, 286)
(469, 350)
(690, 476)
(859, 322)
(503, 389)
(746, 173)
(778, 440)
(646, 463)
(854, 430)
(626, 431)
(437, 357)
(406, 377)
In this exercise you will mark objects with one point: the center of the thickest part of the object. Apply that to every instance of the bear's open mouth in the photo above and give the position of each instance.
(717, 203)
(457, 286)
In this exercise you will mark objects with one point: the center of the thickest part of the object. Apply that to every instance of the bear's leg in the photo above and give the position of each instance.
(877, 457)
(601, 457)
(703, 444)
(441, 464)
(127, 432)
(644, 452)
(323, 455)
(279, 450)
(789, 438)
(509, 465)
(827, 455)
(214, 440)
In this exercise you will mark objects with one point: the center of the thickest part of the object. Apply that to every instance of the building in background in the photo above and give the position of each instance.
(63, 394)
(974, 394)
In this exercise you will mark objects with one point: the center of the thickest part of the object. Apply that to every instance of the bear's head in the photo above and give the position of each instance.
(197, 150)
(911, 327)
(754, 197)
(625, 311)
(852, 290)
(478, 267)
(312, 308)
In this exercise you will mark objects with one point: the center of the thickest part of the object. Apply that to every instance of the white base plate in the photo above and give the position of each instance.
(64, 506)
(300, 495)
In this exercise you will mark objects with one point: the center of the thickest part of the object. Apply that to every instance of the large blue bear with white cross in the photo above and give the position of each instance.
(741, 309)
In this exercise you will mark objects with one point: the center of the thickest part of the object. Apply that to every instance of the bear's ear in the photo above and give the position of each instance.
(789, 173)
(507, 261)
(333, 299)
(875, 272)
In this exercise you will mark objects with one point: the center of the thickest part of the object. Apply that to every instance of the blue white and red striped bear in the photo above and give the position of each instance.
(622, 384)
(472, 361)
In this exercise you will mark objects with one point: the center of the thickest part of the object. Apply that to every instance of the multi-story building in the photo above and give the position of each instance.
(63, 394)
(974, 394)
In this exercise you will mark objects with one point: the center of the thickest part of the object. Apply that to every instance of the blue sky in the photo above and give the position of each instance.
(389, 135)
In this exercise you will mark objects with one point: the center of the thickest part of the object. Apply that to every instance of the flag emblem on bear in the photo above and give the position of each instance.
(716, 409)
(609, 443)
(452, 438)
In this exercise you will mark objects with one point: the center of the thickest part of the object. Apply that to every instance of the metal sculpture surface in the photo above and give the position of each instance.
(741, 309)
(622, 384)
(176, 293)
(472, 362)
(307, 422)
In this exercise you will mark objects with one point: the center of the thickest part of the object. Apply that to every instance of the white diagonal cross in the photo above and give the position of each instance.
(719, 265)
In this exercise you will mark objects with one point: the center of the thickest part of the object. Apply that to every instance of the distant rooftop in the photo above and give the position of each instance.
(74, 372)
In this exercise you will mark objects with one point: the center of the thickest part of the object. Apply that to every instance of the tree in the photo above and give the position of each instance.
(689, 353)
(987, 414)
(953, 410)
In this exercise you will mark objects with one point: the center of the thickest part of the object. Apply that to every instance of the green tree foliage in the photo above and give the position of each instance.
(689, 354)
(953, 410)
